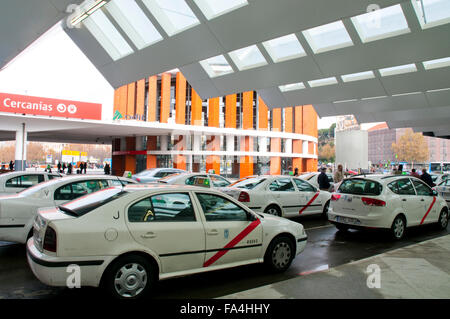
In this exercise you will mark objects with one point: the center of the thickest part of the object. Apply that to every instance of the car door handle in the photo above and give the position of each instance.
(404, 200)
(212, 232)
(422, 200)
(149, 235)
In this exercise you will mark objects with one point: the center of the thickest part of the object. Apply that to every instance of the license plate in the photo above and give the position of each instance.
(347, 220)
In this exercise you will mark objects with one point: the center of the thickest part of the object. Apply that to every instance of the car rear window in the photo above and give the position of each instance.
(359, 186)
(249, 183)
(88, 203)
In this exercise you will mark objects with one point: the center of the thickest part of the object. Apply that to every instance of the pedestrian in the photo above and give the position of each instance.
(399, 171)
(107, 169)
(85, 167)
(11, 166)
(414, 173)
(427, 178)
(69, 169)
(322, 179)
(296, 171)
(64, 167)
(59, 167)
(339, 174)
(49, 168)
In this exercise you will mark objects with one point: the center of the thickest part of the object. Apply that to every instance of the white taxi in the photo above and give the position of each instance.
(15, 182)
(17, 211)
(196, 179)
(126, 239)
(284, 196)
(386, 202)
(444, 190)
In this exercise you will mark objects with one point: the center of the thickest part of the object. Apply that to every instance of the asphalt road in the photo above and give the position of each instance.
(326, 248)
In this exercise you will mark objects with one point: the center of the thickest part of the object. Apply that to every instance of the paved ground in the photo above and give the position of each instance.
(420, 271)
(326, 248)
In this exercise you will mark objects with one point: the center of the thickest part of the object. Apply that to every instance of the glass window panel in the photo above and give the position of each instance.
(438, 63)
(284, 48)
(291, 87)
(174, 15)
(134, 22)
(282, 185)
(214, 8)
(107, 35)
(328, 37)
(247, 58)
(217, 208)
(358, 76)
(432, 13)
(380, 24)
(401, 69)
(322, 82)
(216, 66)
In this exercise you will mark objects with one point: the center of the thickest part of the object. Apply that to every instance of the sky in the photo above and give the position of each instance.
(54, 67)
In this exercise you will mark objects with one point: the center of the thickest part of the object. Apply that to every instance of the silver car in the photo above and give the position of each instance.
(197, 179)
(15, 182)
(154, 174)
(444, 190)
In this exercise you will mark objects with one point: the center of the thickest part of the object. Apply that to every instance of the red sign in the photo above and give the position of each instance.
(22, 104)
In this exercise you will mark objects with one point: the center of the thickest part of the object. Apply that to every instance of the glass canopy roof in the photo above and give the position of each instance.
(432, 13)
(291, 87)
(284, 48)
(328, 37)
(214, 8)
(247, 58)
(216, 66)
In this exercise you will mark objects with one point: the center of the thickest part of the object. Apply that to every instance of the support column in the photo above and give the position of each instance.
(180, 118)
(21, 149)
(246, 165)
(310, 119)
(151, 146)
(213, 161)
(297, 145)
(275, 143)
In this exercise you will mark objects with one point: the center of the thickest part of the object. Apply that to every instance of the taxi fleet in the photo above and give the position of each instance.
(125, 239)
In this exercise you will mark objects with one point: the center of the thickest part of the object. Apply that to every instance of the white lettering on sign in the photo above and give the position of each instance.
(27, 105)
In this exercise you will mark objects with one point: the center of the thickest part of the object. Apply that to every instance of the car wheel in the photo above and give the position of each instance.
(443, 219)
(130, 277)
(398, 228)
(341, 227)
(325, 210)
(273, 210)
(279, 254)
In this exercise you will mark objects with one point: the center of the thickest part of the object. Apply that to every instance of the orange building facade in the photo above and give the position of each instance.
(235, 135)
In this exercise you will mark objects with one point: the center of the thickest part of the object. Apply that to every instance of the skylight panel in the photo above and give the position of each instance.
(107, 35)
(284, 48)
(174, 16)
(214, 8)
(432, 13)
(291, 87)
(247, 58)
(381, 24)
(322, 82)
(358, 76)
(134, 22)
(328, 37)
(401, 69)
(435, 64)
(216, 66)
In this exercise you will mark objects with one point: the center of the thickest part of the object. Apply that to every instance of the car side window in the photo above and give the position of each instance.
(115, 182)
(174, 207)
(405, 187)
(422, 189)
(303, 186)
(218, 181)
(24, 181)
(393, 187)
(78, 189)
(50, 177)
(202, 181)
(217, 208)
(282, 185)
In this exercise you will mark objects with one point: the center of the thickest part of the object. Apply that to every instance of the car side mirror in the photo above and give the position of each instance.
(435, 193)
(251, 217)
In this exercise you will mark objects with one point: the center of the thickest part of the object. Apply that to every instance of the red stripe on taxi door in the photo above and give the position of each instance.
(428, 211)
(309, 203)
(233, 243)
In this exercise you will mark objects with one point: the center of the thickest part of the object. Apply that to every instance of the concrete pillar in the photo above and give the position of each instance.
(305, 147)
(262, 141)
(164, 142)
(21, 149)
(288, 146)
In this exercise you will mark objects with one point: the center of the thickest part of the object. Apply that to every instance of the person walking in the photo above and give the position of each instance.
(399, 171)
(69, 169)
(296, 171)
(64, 167)
(107, 169)
(339, 174)
(59, 167)
(414, 173)
(427, 178)
(322, 179)
(11, 166)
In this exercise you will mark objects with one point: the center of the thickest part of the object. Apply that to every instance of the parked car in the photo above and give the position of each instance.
(196, 179)
(154, 174)
(439, 178)
(18, 211)
(392, 202)
(15, 182)
(126, 239)
(312, 178)
(280, 195)
(444, 190)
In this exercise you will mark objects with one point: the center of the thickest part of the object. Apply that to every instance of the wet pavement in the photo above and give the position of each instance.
(326, 248)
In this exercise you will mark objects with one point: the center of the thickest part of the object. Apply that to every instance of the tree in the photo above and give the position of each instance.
(411, 148)
(36, 153)
(327, 153)
(7, 153)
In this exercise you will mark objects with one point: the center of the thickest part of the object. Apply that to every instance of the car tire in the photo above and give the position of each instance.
(325, 210)
(279, 254)
(130, 277)
(342, 228)
(398, 228)
(273, 210)
(443, 219)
